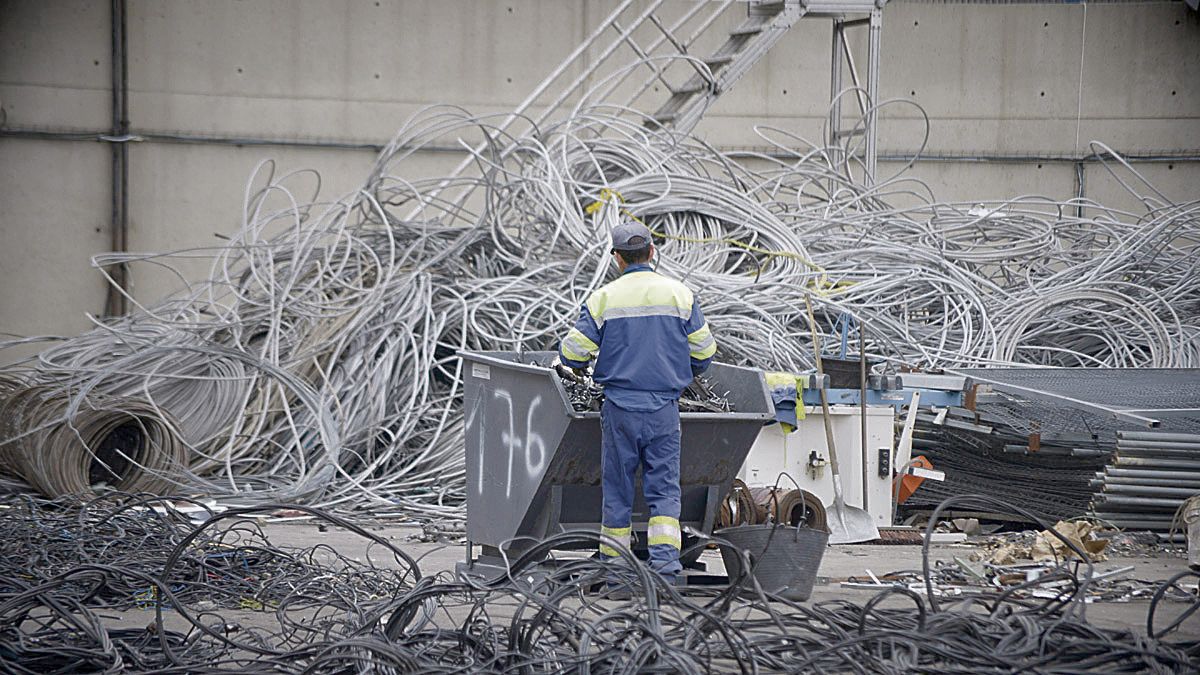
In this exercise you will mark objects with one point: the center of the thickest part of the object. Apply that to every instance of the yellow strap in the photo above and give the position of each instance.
(605, 195)
(779, 379)
(819, 286)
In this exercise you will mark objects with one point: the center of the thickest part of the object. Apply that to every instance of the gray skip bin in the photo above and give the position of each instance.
(533, 462)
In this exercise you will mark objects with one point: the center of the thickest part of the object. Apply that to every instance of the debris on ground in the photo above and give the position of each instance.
(1041, 580)
(448, 531)
(221, 597)
(1007, 548)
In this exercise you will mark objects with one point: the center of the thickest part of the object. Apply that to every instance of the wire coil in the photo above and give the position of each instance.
(316, 363)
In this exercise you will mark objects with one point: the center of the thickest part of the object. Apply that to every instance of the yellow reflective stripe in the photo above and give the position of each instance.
(664, 531)
(702, 339)
(779, 380)
(702, 342)
(572, 355)
(577, 347)
(596, 303)
(620, 534)
(664, 540)
(651, 293)
(645, 310)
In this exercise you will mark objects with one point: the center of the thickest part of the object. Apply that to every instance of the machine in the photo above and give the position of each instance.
(803, 454)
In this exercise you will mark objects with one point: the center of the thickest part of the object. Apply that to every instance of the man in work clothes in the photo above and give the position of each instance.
(649, 339)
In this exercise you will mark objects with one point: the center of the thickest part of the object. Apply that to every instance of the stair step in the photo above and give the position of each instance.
(714, 61)
(753, 29)
(692, 88)
(766, 8)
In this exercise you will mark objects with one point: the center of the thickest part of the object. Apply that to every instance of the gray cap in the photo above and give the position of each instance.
(630, 235)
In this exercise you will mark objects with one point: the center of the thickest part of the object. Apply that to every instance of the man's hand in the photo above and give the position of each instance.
(568, 373)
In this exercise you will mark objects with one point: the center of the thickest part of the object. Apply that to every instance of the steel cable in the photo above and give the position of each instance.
(316, 363)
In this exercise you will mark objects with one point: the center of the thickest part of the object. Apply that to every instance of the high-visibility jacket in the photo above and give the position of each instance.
(648, 336)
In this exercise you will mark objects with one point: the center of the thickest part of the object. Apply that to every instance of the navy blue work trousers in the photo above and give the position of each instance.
(649, 440)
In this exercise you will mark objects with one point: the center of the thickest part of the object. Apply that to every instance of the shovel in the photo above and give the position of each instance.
(847, 524)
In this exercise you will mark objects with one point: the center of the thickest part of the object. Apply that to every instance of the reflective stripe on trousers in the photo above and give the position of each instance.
(664, 531)
(620, 534)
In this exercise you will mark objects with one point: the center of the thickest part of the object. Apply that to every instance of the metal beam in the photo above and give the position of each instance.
(116, 302)
(873, 45)
(835, 82)
(104, 136)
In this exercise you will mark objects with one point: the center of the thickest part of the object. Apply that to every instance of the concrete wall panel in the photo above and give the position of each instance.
(1142, 64)
(1104, 184)
(54, 217)
(335, 69)
(54, 64)
(994, 78)
(188, 197)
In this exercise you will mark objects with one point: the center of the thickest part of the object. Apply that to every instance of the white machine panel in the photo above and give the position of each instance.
(774, 452)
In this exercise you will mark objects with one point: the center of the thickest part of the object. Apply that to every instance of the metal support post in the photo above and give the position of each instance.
(835, 82)
(1080, 187)
(872, 94)
(116, 303)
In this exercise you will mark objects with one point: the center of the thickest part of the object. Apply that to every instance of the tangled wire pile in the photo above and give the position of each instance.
(62, 564)
(225, 599)
(317, 363)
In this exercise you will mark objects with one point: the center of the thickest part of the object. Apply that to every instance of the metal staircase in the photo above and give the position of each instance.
(643, 38)
(765, 25)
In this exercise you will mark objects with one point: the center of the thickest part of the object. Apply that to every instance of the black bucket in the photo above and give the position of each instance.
(787, 568)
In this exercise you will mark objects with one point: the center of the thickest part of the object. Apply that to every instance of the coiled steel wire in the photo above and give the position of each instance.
(316, 364)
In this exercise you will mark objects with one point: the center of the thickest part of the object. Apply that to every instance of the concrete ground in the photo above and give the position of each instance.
(839, 564)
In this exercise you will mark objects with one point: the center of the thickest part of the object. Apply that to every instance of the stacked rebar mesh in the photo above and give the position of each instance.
(317, 364)
(1060, 460)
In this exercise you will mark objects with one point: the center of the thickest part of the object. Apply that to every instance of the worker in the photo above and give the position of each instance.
(649, 339)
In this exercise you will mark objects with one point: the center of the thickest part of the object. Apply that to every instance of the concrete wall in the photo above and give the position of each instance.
(995, 79)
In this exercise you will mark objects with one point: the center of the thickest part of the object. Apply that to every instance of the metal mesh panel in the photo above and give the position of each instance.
(1118, 388)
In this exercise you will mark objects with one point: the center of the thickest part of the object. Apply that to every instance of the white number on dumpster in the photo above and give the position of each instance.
(530, 441)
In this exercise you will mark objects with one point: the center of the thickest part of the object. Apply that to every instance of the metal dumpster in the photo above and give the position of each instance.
(533, 462)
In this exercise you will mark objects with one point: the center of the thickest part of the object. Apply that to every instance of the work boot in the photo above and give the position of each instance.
(616, 592)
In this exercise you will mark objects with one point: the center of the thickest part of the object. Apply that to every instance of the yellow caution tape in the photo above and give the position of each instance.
(820, 286)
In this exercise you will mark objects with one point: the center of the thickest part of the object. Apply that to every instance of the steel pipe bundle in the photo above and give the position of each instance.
(1149, 479)
(316, 363)
(1042, 455)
